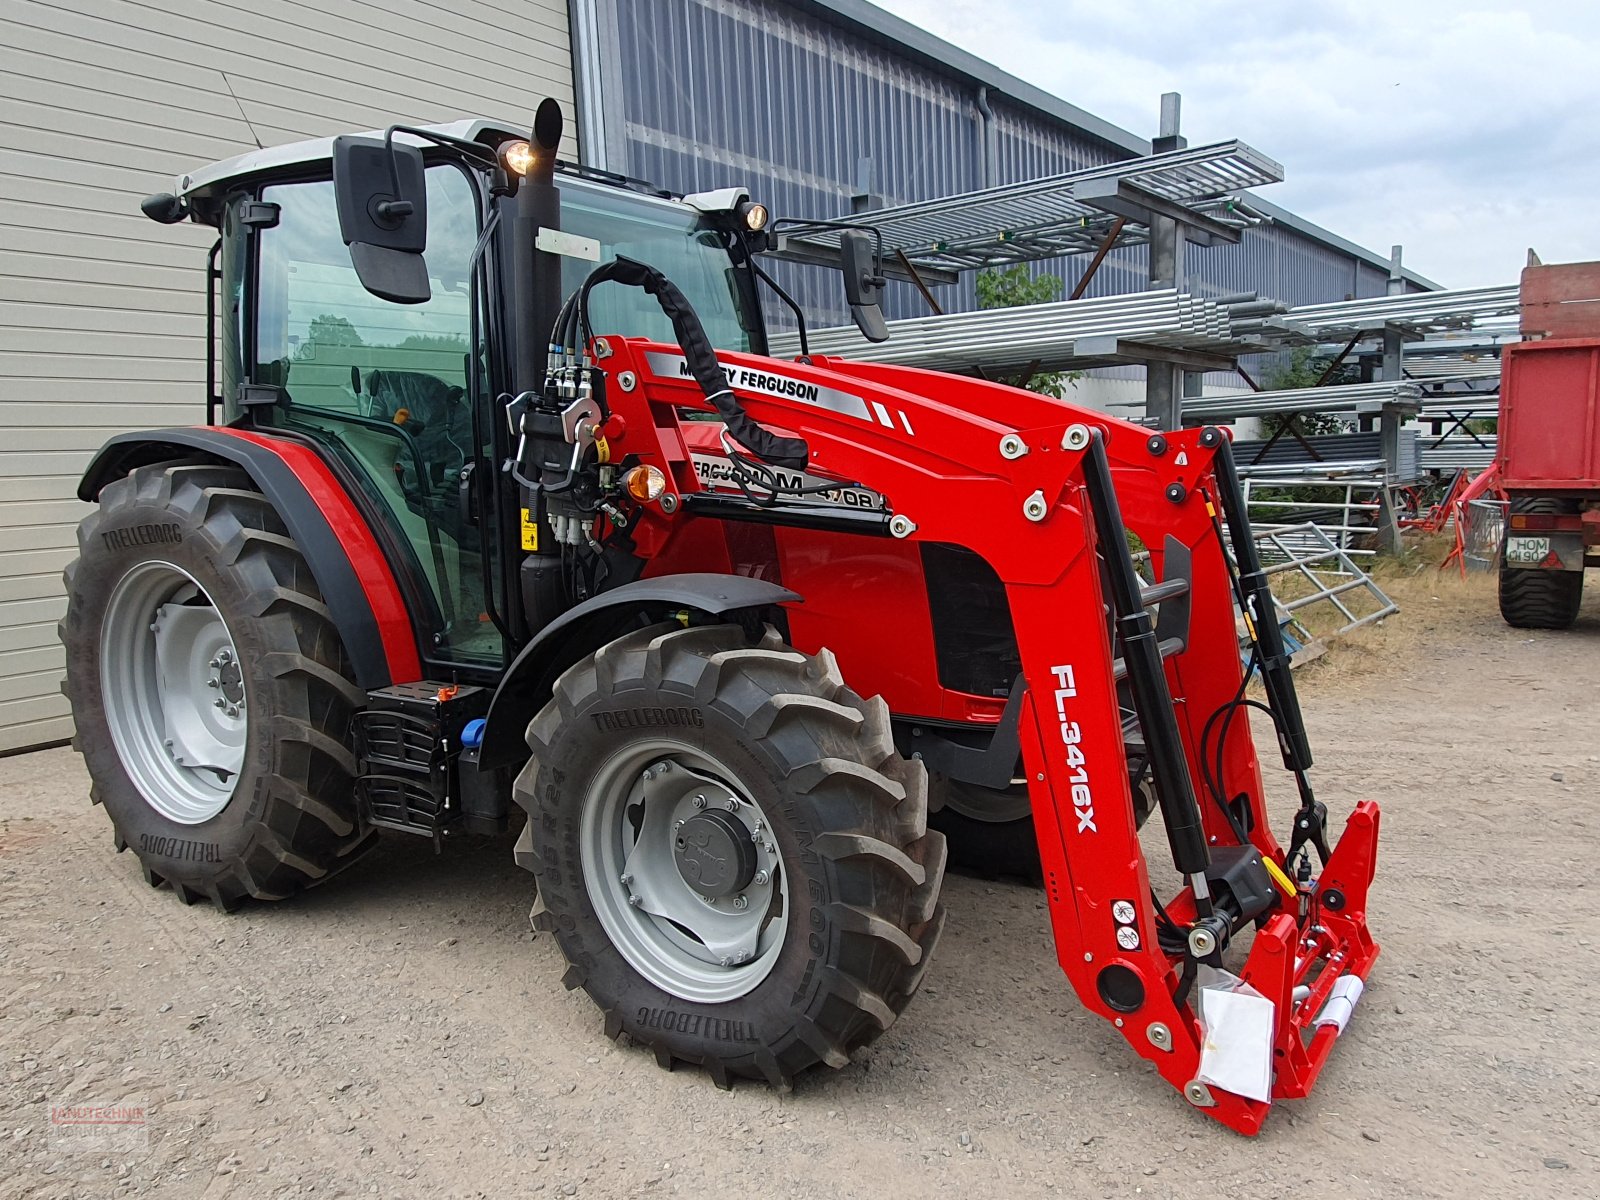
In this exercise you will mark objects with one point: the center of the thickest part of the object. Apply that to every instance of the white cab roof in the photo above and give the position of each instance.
(320, 149)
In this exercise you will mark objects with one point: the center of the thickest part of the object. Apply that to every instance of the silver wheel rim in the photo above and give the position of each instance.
(700, 950)
(174, 692)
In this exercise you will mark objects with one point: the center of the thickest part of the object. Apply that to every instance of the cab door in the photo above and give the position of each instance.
(395, 393)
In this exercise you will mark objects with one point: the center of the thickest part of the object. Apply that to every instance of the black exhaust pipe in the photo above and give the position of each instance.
(536, 276)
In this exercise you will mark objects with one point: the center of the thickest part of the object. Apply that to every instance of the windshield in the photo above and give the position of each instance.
(669, 238)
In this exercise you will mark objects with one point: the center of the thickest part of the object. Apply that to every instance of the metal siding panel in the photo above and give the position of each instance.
(796, 100)
(101, 310)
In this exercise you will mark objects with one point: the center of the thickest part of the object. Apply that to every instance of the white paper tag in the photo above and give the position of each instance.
(1236, 1027)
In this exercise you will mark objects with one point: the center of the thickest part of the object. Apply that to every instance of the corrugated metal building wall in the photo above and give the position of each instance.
(814, 102)
(102, 311)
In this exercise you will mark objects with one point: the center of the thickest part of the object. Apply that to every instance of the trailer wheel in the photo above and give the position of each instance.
(991, 832)
(208, 686)
(1532, 598)
(729, 851)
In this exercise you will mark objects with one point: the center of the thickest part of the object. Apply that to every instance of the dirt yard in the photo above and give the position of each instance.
(401, 1033)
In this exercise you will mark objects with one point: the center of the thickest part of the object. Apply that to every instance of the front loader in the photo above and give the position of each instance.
(501, 512)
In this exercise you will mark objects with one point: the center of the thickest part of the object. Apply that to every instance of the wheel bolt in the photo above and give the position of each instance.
(213, 683)
(626, 879)
(220, 702)
(761, 877)
(741, 902)
(699, 801)
(233, 710)
(733, 805)
(635, 901)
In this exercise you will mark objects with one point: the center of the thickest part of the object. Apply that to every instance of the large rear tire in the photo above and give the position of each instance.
(1533, 598)
(209, 688)
(729, 851)
(991, 832)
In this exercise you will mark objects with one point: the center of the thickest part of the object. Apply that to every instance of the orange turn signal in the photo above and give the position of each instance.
(645, 483)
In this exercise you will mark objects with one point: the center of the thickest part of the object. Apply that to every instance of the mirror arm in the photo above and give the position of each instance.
(800, 316)
(399, 210)
(862, 226)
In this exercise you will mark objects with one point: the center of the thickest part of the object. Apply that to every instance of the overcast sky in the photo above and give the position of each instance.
(1465, 131)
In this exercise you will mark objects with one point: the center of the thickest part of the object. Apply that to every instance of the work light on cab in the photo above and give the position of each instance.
(753, 216)
(517, 157)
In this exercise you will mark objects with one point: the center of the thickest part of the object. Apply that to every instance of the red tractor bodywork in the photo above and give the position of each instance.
(931, 446)
(1549, 430)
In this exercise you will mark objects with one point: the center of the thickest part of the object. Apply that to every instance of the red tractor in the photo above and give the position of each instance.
(501, 506)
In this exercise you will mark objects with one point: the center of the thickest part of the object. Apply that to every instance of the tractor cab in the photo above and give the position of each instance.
(409, 397)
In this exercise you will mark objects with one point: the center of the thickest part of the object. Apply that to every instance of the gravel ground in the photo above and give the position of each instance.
(401, 1033)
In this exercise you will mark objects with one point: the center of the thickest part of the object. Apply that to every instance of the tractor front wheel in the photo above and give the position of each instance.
(729, 851)
(209, 688)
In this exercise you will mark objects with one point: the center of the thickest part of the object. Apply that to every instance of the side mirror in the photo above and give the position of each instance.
(863, 286)
(164, 207)
(383, 215)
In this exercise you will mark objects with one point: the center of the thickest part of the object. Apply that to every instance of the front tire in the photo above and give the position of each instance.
(729, 851)
(209, 688)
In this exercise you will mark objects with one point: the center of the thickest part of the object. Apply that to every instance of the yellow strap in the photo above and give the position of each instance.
(1279, 878)
(602, 448)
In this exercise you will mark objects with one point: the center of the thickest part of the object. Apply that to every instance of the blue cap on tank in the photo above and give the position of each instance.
(472, 732)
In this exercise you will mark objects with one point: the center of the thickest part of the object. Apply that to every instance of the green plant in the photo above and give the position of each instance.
(1305, 368)
(1016, 287)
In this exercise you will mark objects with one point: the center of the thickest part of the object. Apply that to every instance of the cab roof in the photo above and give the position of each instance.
(254, 162)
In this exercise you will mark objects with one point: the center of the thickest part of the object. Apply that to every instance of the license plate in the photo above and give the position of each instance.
(1527, 549)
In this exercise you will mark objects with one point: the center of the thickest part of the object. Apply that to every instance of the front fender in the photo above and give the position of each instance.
(526, 685)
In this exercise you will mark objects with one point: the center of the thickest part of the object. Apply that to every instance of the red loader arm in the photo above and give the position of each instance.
(1043, 491)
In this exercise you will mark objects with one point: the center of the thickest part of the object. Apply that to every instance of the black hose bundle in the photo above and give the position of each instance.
(699, 353)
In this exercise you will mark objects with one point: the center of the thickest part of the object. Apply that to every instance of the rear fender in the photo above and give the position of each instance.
(526, 685)
(355, 578)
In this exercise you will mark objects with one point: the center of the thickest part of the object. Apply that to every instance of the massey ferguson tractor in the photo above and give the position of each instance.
(501, 513)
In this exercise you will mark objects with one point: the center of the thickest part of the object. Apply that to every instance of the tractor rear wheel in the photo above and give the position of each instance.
(1534, 598)
(209, 688)
(990, 831)
(729, 851)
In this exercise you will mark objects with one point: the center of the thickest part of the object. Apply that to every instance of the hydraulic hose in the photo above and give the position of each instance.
(701, 357)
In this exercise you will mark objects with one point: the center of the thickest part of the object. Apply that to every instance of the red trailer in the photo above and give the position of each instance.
(1550, 446)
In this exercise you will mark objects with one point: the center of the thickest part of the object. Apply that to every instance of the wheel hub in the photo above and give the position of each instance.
(684, 873)
(174, 692)
(715, 854)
